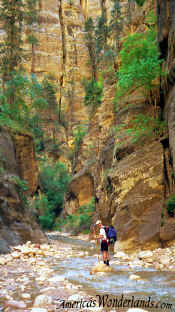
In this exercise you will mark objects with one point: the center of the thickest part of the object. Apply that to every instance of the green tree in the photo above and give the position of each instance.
(14, 16)
(53, 182)
(140, 63)
(27, 101)
(91, 45)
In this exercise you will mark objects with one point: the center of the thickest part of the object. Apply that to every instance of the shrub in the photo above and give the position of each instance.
(145, 126)
(81, 221)
(78, 137)
(140, 63)
(140, 2)
(53, 183)
(54, 180)
(93, 93)
(170, 205)
(45, 211)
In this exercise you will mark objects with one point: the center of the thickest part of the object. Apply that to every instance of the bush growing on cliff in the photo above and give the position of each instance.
(170, 205)
(143, 127)
(78, 137)
(93, 93)
(28, 98)
(140, 63)
(53, 182)
(81, 221)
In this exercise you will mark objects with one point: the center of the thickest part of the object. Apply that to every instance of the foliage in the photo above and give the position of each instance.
(140, 63)
(93, 93)
(35, 124)
(143, 127)
(91, 45)
(170, 205)
(101, 35)
(49, 91)
(78, 137)
(140, 2)
(21, 186)
(45, 211)
(53, 182)
(82, 220)
(14, 16)
(116, 23)
(24, 90)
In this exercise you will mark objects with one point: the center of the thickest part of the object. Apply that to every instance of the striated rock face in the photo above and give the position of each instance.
(17, 225)
(25, 159)
(130, 181)
(166, 32)
(138, 189)
(127, 179)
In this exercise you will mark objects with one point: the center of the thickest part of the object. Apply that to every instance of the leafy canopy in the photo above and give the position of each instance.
(140, 64)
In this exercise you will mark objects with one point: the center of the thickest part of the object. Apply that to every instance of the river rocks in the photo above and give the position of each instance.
(122, 255)
(56, 279)
(25, 296)
(165, 260)
(145, 254)
(134, 277)
(42, 301)
(15, 304)
(101, 267)
(75, 297)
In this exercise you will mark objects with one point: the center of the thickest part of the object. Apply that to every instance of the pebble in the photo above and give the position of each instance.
(42, 300)
(134, 277)
(26, 296)
(56, 278)
(15, 304)
(75, 297)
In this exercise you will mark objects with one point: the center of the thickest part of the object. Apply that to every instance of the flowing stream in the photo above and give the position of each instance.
(69, 273)
(159, 286)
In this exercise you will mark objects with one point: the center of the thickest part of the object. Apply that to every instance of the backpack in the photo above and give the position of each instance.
(111, 234)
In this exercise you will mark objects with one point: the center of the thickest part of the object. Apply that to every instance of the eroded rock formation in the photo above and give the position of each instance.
(17, 161)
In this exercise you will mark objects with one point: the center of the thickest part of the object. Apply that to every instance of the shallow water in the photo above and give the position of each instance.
(74, 263)
(157, 286)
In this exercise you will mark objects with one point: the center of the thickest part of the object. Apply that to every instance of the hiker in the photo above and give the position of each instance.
(104, 242)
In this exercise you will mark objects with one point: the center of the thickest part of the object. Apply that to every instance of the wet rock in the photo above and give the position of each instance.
(122, 255)
(2, 261)
(165, 260)
(42, 301)
(15, 255)
(25, 296)
(134, 277)
(101, 267)
(56, 278)
(15, 304)
(145, 254)
(75, 297)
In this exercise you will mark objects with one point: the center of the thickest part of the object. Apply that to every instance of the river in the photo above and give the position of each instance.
(65, 276)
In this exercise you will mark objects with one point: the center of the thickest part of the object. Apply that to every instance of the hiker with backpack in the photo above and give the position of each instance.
(107, 236)
(103, 241)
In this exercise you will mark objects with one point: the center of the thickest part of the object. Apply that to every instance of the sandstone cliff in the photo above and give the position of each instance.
(130, 182)
(17, 163)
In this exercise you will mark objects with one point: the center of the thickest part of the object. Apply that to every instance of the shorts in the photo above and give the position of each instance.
(104, 246)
